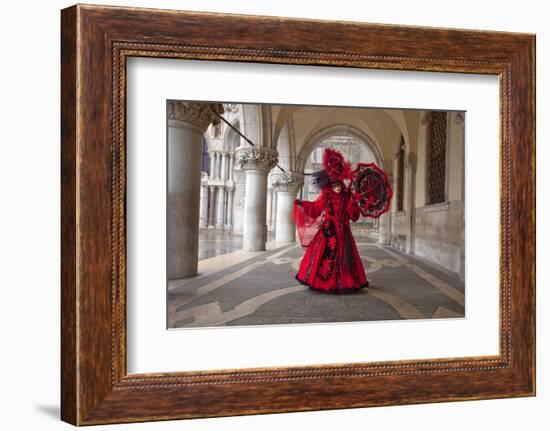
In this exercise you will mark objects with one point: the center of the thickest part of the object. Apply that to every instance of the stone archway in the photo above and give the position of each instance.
(363, 149)
(337, 129)
(401, 123)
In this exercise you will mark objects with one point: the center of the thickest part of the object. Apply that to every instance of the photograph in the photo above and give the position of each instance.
(283, 214)
(271, 211)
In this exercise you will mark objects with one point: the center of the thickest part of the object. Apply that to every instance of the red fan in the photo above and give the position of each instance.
(372, 190)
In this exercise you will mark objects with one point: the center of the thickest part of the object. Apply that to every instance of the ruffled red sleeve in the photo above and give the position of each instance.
(313, 208)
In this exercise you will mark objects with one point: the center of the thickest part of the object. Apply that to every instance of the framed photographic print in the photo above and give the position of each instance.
(264, 214)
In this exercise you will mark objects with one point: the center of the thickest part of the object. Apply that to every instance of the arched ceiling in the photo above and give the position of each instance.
(290, 128)
(383, 129)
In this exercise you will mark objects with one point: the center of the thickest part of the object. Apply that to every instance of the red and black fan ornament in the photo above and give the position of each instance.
(372, 190)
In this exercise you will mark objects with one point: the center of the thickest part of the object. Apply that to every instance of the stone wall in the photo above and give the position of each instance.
(399, 231)
(364, 228)
(439, 234)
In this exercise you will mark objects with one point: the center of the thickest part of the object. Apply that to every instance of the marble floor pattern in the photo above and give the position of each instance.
(237, 288)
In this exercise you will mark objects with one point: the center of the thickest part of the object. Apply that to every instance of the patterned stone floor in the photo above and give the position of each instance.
(258, 288)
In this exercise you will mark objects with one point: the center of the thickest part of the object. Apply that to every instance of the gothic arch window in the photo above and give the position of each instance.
(401, 175)
(436, 157)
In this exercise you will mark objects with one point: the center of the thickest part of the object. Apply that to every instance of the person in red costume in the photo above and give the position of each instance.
(331, 262)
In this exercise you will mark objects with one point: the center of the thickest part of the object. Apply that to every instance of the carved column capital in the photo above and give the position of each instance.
(286, 181)
(197, 115)
(256, 158)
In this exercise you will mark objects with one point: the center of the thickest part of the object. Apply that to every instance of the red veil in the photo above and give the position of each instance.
(306, 225)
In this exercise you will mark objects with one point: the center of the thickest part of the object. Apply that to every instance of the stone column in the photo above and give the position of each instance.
(384, 235)
(395, 179)
(212, 165)
(216, 163)
(224, 166)
(224, 206)
(269, 206)
(238, 201)
(230, 178)
(212, 206)
(204, 206)
(230, 192)
(384, 223)
(256, 162)
(411, 204)
(214, 174)
(219, 207)
(393, 206)
(187, 123)
(286, 184)
(273, 210)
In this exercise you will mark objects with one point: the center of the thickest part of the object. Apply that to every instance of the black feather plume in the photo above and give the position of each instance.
(320, 179)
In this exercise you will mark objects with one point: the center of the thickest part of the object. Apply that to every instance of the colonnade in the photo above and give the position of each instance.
(216, 204)
(199, 200)
(221, 165)
(268, 200)
(217, 192)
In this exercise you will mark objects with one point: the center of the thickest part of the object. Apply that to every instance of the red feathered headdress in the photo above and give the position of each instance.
(335, 166)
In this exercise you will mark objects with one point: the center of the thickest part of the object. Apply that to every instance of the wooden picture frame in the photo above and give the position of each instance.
(95, 43)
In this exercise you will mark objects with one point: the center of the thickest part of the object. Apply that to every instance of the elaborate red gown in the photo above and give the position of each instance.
(331, 262)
